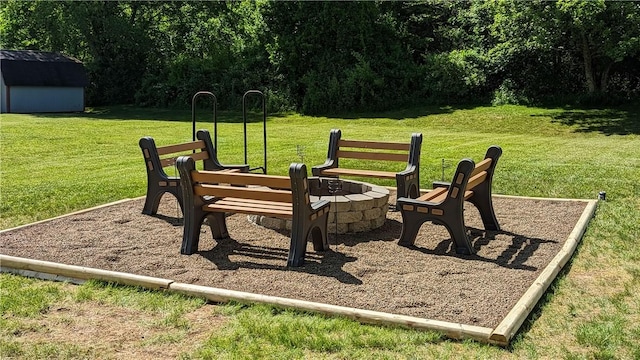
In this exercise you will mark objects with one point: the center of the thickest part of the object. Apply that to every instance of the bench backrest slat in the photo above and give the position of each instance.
(255, 193)
(480, 174)
(482, 166)
(272, 181)
(372, 155)
(476, 179)
(202, 155)
(177, 150)
(171, 161)
(364, 144)
(172, 149)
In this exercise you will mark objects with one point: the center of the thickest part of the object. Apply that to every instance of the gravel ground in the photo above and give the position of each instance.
(366, 270)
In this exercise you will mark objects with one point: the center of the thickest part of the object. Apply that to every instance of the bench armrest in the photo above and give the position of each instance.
(415, 202)
(328, 164)
(241, 167)
(437, 184)
(317, 205)
(410, 170)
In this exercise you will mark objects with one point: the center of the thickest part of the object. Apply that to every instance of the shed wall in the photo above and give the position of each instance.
(31, 99)
(3, 95)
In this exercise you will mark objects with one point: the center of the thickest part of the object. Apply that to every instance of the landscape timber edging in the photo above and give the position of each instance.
(509, 326)
(69, 214)
(47, 270)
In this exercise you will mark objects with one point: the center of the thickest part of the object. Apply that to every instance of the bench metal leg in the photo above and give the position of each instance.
(412, 221)
(302, 227)
(319, 238)
(193, 225)
(482, 200)
(458, 233)
(298, 246)
(297, 250)
(190, 234)
(154, 194)
(151, 204)
(411, 224)
(218, 225)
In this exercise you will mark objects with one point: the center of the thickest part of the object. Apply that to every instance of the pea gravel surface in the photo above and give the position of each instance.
(364, 270)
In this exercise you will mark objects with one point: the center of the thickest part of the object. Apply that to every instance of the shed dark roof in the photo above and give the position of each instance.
(38, 68)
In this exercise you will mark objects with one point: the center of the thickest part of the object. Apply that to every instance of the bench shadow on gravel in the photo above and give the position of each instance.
(220, 256)
(514, 257)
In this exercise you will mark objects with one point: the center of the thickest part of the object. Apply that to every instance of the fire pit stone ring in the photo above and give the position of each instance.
(360, 206)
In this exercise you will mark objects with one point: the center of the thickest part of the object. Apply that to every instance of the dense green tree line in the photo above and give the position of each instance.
(333, 56)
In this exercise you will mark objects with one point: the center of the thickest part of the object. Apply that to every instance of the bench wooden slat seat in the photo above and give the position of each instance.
(159, 158)
(211, 194)
(444, 205)
(238, 206)
(407, 180)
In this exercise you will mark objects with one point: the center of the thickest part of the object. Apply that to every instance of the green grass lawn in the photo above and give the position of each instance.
(55, 164)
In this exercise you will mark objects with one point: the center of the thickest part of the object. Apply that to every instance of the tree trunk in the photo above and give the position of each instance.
(588, 64)
(604, 79)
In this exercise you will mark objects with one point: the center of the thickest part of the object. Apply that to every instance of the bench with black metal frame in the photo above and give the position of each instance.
(444, 205)
(158, 158)
(211, 195)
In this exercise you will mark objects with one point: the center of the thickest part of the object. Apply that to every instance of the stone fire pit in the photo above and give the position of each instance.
(360, 206)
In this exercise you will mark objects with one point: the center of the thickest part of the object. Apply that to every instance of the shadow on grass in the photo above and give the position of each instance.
(412, 112)
(535, 313)
(254, 114)
(127, 112)
(621, 121)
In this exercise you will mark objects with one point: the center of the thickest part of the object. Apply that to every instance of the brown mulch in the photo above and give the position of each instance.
(367, 270)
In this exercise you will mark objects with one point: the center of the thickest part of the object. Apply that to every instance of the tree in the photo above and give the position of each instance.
(598, 33)
(604, 33)
(338, 56)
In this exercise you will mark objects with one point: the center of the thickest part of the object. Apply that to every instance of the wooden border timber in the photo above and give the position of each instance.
(65, 215)
(451, 330)
(81, 272)
(501, 335)
(76, 274)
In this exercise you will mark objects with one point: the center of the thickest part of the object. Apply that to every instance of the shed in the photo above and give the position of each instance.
(38, 81)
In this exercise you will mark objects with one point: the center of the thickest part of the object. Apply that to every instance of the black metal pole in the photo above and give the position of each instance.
(215, 116)
(264, 126)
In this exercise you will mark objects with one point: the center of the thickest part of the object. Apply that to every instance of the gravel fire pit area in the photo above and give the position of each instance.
(484, 295)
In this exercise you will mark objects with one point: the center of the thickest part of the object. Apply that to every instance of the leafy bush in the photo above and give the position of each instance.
(454, 76)
(507, 94)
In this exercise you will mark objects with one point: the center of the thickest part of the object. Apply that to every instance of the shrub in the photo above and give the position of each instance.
(454, 76)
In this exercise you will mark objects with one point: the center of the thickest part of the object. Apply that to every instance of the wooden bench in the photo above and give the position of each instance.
(159, 158)
(407, 180)
(444, 205)
(210, 194)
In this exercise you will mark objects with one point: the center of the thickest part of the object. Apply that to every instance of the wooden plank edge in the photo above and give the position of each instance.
(41, 275)
(540, 198)
(451, 330)
(79, 272)
(69, 214)
(507, 328)
(77, 275)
